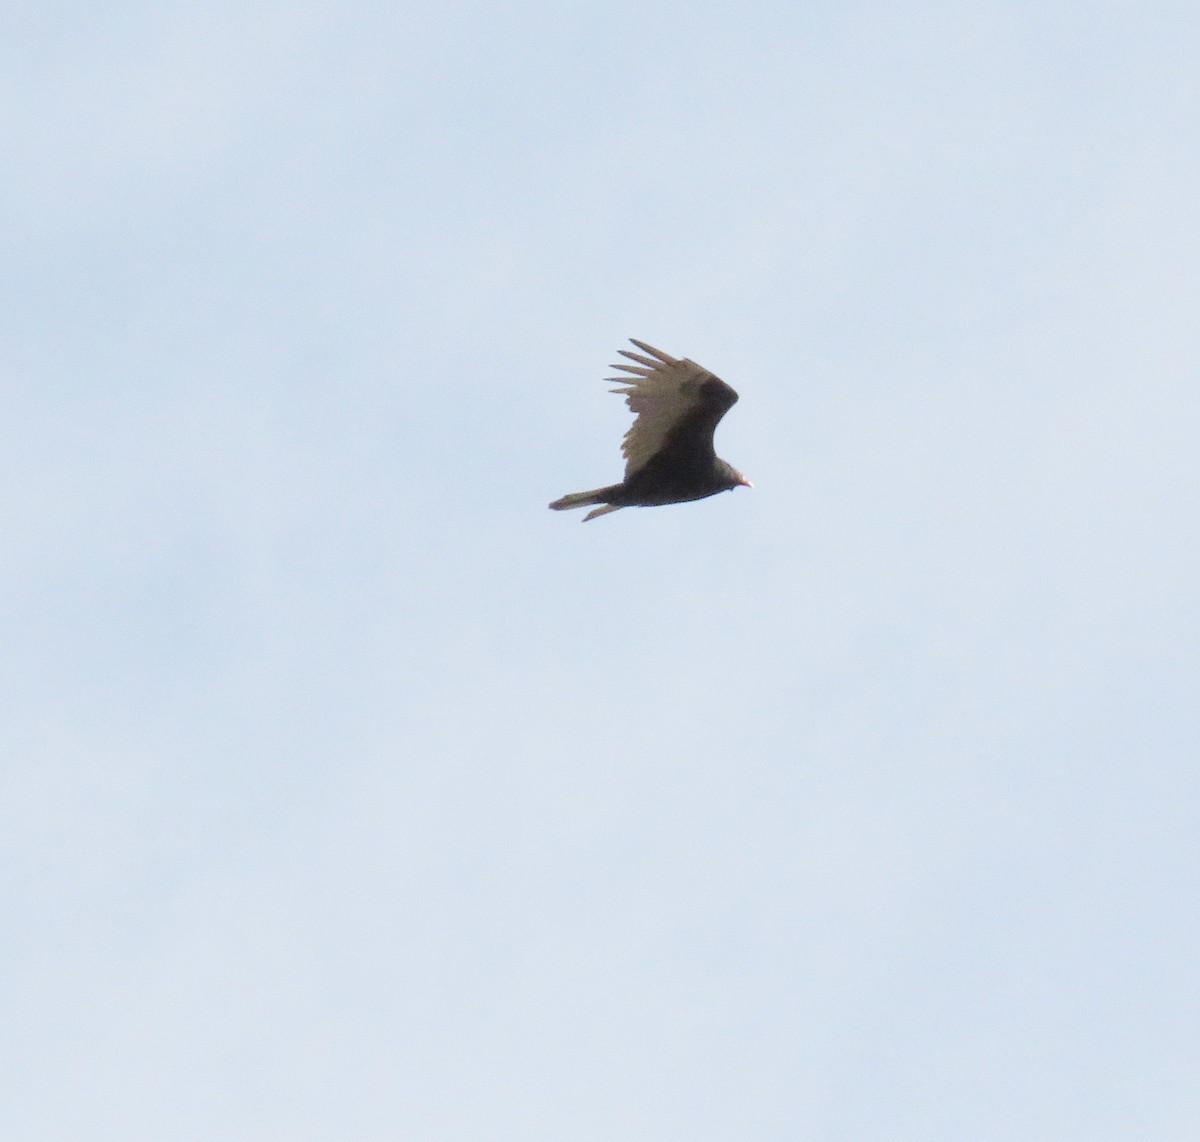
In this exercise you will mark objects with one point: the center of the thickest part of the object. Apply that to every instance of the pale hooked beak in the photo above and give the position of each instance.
(743, 482)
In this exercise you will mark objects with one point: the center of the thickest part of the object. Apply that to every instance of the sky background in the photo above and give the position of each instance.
(348, 793)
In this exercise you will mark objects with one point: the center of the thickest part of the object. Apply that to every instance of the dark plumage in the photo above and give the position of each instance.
(668, 450)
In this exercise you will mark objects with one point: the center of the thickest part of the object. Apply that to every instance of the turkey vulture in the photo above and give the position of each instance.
(668, 450)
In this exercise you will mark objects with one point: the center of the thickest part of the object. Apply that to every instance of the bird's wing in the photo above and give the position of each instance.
(668, 396)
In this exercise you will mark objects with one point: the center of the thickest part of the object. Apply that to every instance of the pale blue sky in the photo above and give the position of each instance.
(348, 793)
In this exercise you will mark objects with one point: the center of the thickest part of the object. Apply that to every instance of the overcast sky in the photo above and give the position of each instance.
(348, 793)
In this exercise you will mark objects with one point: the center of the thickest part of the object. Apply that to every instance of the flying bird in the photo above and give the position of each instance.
(668, 450)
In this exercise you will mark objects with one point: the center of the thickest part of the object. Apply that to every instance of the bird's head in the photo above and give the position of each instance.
(734, 478)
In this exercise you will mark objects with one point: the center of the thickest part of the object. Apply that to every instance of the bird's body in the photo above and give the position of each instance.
(669, 453)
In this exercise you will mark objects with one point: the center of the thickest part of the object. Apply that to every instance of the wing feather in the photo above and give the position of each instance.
(640, 359)
(663, 393)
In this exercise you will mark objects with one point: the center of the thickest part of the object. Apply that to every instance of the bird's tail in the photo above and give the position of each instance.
(582, 499)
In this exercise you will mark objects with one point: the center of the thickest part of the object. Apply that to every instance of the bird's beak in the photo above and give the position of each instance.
(743, 482)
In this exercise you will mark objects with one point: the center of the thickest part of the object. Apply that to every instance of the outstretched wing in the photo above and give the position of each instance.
(677, 402)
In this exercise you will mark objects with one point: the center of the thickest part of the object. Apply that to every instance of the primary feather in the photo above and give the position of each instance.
(668, 450)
